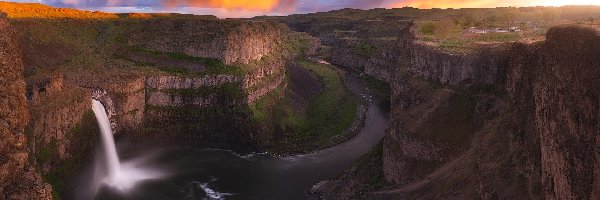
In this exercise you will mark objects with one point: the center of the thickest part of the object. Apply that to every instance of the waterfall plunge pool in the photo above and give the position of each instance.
(189, 173)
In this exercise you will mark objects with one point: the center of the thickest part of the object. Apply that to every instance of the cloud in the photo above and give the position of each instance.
(304, 6)
(255, 5)
(486, 3)
(450, 3)
(249, 8)
(226, 4)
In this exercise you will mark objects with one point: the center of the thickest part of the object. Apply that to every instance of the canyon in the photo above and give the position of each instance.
(500, 121)
(514, 119)
(154, 90)
(19, 179)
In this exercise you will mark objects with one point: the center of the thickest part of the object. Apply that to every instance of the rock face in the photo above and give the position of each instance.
(377, 58)
(476, 68)
(176, 82)
(230, 41)
(501, 122)
(55, 110)
(17, 178)
(431, 125)
(551, 123)
(381, 57)
(564, 86)
(182, 91)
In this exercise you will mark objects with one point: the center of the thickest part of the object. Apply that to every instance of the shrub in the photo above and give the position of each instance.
(428, 28)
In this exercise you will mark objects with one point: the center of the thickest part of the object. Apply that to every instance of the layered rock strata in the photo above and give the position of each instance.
(18, 180)
(231, 41)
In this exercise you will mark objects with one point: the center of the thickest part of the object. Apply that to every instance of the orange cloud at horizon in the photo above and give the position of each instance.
(264, 5)
(446, 3)
(489, 3)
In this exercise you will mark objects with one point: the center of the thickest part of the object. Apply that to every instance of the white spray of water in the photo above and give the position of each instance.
(110, 151)
(122, 176)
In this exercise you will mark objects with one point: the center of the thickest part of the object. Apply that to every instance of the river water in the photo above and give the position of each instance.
(190, 173)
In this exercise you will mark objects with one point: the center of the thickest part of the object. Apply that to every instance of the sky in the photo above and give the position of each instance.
(250, 8)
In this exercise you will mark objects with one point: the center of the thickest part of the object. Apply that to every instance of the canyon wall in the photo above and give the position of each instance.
(18, 180)
(380, 58)
(231, 41)
(376, 57)
(161, 90)
(511, 121)
(561, 75)
(530, 122)
(206, 108)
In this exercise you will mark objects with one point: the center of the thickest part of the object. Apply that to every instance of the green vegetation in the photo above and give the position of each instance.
(84, 137)
(213, 66)
(327, 115)
(298, 43)
(369, 167)
(32, 10)
(334, 110)
(226, 92)
(428, 28)
(381, 90)
(458, 44)
(46, 151)
(365, 50)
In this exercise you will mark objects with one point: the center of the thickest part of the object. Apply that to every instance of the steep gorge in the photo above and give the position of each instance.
(205, 105)
(513, 121)
(18, 179)
(562, 78)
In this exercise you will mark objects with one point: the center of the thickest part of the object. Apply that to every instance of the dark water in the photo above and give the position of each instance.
(220, 174)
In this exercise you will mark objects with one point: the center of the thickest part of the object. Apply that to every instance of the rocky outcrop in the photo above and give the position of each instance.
(517, 122)
(230, 41)
(55, 110)
(376, 57)
(181, 91)
(479, 67)
(381, 57)
(177, 82)
(257, 93)
(544, 135)
(562, 74)
(432, 125)
(129, 103)
(17, 179)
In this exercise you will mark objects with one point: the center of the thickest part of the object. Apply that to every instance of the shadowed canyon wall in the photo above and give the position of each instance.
(18, 180)
(504, 121)
(561, 78)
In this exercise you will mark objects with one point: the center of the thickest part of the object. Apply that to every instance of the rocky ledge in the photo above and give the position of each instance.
(18, 180)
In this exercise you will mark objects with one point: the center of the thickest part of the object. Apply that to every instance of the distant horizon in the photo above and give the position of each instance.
(248, 9)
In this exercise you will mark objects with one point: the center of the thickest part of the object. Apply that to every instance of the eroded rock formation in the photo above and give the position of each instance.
(230, 41)
(500, 122)
(561, 78)
(18, 180)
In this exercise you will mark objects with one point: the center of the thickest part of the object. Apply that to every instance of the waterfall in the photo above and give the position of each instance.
(108, 143)
(122, 176)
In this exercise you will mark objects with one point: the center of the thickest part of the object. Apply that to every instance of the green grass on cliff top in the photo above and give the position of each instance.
(213, 66)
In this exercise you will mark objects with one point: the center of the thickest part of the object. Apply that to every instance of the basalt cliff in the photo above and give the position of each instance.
(491, 119)
(187, 81)
(18, 179)
(503, 121)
